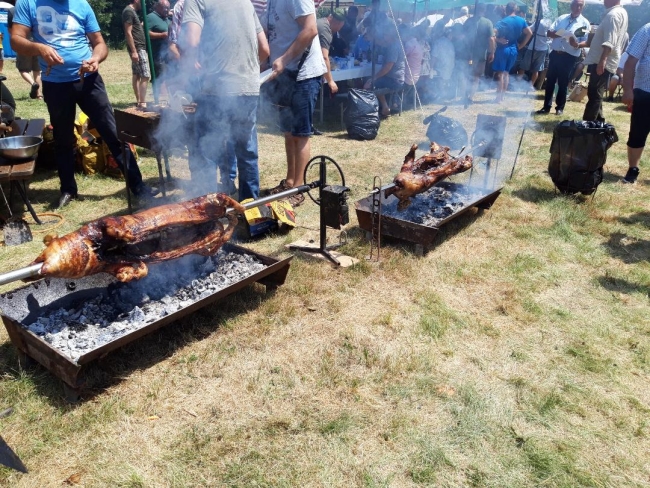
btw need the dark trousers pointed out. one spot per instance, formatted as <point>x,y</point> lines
<point>560,69</point>
<point>595,92</point>
<point>226,142</point>
<point>91,96</point>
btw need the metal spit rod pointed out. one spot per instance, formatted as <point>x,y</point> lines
<point>35,269</point>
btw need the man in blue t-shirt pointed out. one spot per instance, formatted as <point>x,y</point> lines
<point>66,37</point>
<point>512,34</point>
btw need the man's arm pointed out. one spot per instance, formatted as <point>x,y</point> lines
<point>527,35</point>
<point>191,36</point>
<point>629,71</point>
<point>100,52</point>
<point>157,35</point>
<point>600,69</point>
<point>302,41</point>
<point>492,47</point>
<point>328,76</point>
<point>263,49</point>
<point>385,69</point>
<point>128,34</point>
<point>22,45</point>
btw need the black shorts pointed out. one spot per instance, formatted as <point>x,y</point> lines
<point>639,122</point>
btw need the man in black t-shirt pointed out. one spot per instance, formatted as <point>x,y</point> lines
<point>134,33</point>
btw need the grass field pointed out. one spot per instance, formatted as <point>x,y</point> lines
<point>515,353</point>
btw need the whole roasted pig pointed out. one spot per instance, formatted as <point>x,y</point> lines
<point>122,245</point>
<point>418,175</point>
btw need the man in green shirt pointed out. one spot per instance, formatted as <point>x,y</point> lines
<point>158,22</point>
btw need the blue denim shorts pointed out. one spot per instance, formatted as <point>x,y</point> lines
<point>298,118</point>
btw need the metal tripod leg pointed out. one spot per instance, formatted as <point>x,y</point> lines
<point>23,195</point>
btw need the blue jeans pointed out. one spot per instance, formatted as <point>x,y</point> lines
<point>91,96</point>
<point>226,124</point>
<point>299,117</point>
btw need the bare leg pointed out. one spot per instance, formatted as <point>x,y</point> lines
<point>533,77</point>
<point>385,110</point>
<point>634,156</point>
<point>142,90</point>
<point>27,76</point>
<point>134,83</point>
<point>37,79</point>
<point>298,151</point>
<point>502,83</point>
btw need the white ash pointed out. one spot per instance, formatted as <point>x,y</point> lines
<point>434,205</point>
<point>126,307</point>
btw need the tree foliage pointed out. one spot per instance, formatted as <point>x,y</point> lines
<point>109,16</point>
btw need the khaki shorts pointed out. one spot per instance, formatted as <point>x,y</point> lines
<point>27,64</point>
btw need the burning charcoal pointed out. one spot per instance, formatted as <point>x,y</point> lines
<point>124,308</point>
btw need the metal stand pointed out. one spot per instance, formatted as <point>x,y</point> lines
<point>375,235</point>
<point>323,248</point>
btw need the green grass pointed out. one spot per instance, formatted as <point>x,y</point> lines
<point>514,353</point>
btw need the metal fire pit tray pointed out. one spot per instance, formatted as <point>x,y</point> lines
<point>23,306</point>
<point>397,225</point>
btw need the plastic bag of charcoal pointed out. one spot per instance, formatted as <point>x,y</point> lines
<point>578,154</point>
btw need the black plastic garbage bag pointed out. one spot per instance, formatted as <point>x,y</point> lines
<point>362,115</point>
<point>446,131</point>
<point>578,154</point>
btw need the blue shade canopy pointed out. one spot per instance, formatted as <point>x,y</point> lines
<point>408,5</point>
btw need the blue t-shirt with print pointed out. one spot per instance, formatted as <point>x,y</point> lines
<point>62,25</point>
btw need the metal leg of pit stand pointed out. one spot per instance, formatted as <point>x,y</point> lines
<point>486,178</point>
<point>125,160</point>
<point>323,248</point>
<point>167,169</point>
<point>161,178</point>
<point>23,194</point>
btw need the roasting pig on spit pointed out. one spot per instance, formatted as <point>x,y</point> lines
<point>122,245</point>
<point>418,175</point>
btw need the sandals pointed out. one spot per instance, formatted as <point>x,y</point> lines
<point>297,200</point>
<point>277,189</point>
<point>33,92</point>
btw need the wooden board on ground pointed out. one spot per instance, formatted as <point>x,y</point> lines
<point>346,261</point>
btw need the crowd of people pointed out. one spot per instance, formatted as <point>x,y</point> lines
<point>216,49</point>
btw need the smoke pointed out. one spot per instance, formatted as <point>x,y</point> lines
<point>218,72</point>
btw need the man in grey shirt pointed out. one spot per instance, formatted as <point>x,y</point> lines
<point>605,50</point>
<point>223,43</point>
<point>292,34</point>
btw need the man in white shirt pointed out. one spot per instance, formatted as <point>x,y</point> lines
<point>568,34</point>
<point>293,39</point>
<point>604,52</point>
<point>636,95</point>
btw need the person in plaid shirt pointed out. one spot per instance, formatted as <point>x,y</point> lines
<point>636,95</point>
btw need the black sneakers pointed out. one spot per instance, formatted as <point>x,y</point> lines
<point>543,110</point>
<point>144,191</point>
<point>631,176</point>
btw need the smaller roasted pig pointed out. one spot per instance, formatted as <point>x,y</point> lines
<point>418,175</point>
<point>122,245</point>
